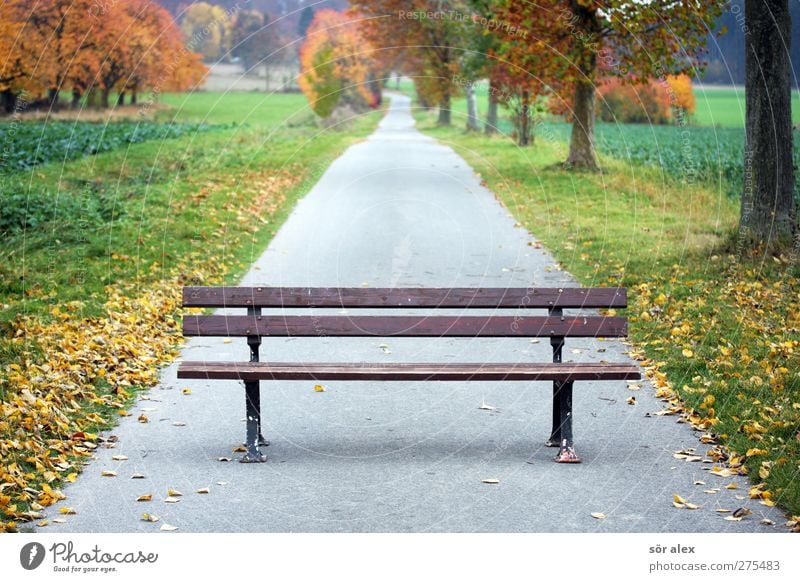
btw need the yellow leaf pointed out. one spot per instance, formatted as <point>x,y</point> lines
<point>691,505</point>
<point>732,486</point>
<point>109,473</point>
<point>678,499</point>
<point>143,418</point>
<point>67,511</point>
<point>186,391</point>
<point>147,497</point>
<point>71,477</point>
<point>150,517</point>
<point>119,458</point>
<point>174,493</point>
<point>688,353</point>
<point>598,515</point>
<point>319,388</point>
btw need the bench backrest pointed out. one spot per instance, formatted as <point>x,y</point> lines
<point>254,324</point>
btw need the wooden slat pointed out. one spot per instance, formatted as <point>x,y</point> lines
<point>367,371</point>
<point>403,326</point>
<point>486,298</point>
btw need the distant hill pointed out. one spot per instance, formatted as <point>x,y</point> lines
<point>726,52</point>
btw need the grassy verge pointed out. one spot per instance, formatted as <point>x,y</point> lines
<point>718,332</point>
<point>89,299</point>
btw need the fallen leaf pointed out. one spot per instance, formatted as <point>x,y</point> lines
<point>227,340</point>
<point>222,482</point>
<point>148,497</point>
<point>485,406</point>
<point>688,353</point>
<point>691,505</point>
<point>71,477</point>
<point>732,518</point>
<point>741,512</point>
<point>720,510</point>
<point>43,523</point>
<point>59,520</point>
<point>240,449</point>
<point>137,476</point>
<point>143,418</point>
<point>319,388</point>
<point>732,486</point>
<point>678,499</point>
<point>224,459</point>
<point>186,391</point>
<point>491,481</point>
<point>150,517</point>
<point>109,473</point>
<point>167,527</point>
<point>598,515</point>
<point>67,511</point>
<point>766,521</point>
<point>204,490</point>
<point>119,458</point>
<point>178,423</point>
<point>631,400</point>
<point>174,493</point>
<point>172,500</point>
<point>699,482</point>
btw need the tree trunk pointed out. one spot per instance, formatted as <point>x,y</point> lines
<point>768,210</point>
<point>9,101</point>
<point>472,108</point>
<point>491,114</point>
<point>133,96</point>
<point>52,97</point>
<point>524,137</point>
<point>76,99</point>
<point>104,95</point>
<point>444,110</point>
<point>581,145</point>
<point>121,98</point>
<point>91,98</point>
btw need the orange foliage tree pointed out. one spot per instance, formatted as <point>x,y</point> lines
<point>82,46</point>
<point>336,64</point>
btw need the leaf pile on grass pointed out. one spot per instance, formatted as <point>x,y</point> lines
<point>75,374</point>
<point>720,342</point>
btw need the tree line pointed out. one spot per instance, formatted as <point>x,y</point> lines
<point>560,54</point>
<point>91,49</point>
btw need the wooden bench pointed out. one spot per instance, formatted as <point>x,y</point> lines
<point>514,321</point>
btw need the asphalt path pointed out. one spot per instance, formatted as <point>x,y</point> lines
<point>401,209</point>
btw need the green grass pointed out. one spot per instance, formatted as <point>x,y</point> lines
<point>147,193</point>
<point>718,330</point>
<point>725,106</point>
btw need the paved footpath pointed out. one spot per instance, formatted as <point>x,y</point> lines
<point>400,209</point>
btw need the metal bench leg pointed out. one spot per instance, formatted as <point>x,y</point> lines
<point>253,408</point>
<point>566,452</point>
<point>555,434</point>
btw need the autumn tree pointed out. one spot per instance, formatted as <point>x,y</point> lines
<point>207,29</point>
<point>431,34</point>
<point>768,209</point>
<point>625,38</point>
<point>251,37</point>
<point>337,64</point>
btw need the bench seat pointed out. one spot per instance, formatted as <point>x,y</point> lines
<point>476,372</point>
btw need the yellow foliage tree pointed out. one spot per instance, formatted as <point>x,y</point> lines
<point>682,95</point>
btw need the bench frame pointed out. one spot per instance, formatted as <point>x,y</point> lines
<point>255,326</point>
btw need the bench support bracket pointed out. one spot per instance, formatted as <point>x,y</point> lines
<point>252,392</point>
<point>561,435</point>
